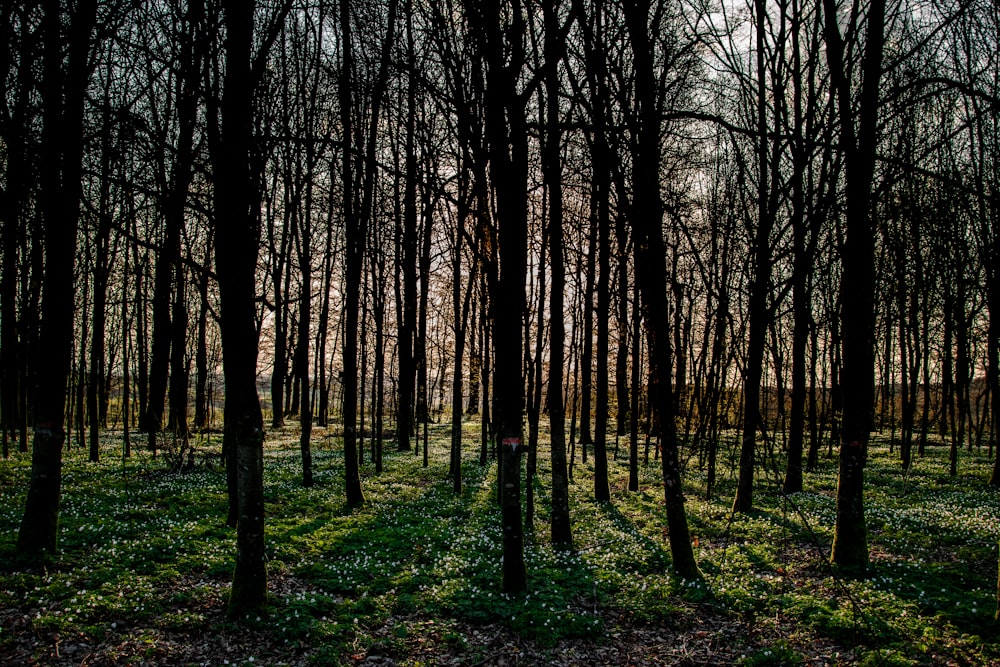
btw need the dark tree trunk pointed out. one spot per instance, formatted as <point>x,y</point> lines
<point>78,410</point>
<point>993,339</point>
<point>323,322</point>
<point>850,542</point>
<point>356,225</point>
<point>378,293</point>
<point>559,519</point>
<point>140,262</point>
<point>12,226</point>
<point>95,383</point>
<point>507,138</point>
<point>305,317</point>
<point>280,363</point>
<point>201,419</point>
<point>63,94</point>
<point>602,182</point>
<point>759,284</point>
<point>646,218</point>
<point>177,417</point>
<point>355,237</point>
<point>802,260</point>
<point>460,313</point>
<point>126,398</point>
<point>237,231</point>
<point>420,355</point>
<point>633,429</point>
<point>587,347</point>
<point>533,366</point>
<point>408,252</point>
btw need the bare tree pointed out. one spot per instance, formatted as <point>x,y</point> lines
<point>858,141</point>
<point>646,217</point>
<point>500,37</point>
<point>63,87</point>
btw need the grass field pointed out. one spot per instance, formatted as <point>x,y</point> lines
<point>412,577</point>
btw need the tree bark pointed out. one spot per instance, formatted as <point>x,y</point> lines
<point>759,284</point>
<point>559,519</point>
<point>13,225</point>
<point>63,95</point>
<point>646,218</point>
<point>857,287</point>
<point>408,252</point>
<point>237,231</point>
<point>507,138</point>
<point>355,236</point>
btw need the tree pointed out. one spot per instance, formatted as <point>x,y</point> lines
<point>237,231</point>
<point>355,235</point>
<point>498,33</point>
<point>14,111</point>
<point>63,88</point>
<point>858,142</point>
<point>406,255</point>
<point>357,218</point>
<point>561,531</point>
<point>646,216</point>
<point>760,282</point>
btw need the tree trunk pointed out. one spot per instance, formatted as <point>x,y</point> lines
<point>63,94</point>
<point>305,317</point>
<point>602,165</point>
<point>408,250</point>
<point>355,235</point>
<point>802,260</point>
<point>850,542</point>
<point>646,218</point>
<point>201,419</point>
<point>507,138</point>
<point>237,231</point>
<point>633,429</point>
<point>12,227</point>
<point>95,383</point>
<point>559,519</point>
<point>587,347</point>
<point>759,285</point>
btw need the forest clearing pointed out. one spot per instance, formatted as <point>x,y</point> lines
<point>412,577</point>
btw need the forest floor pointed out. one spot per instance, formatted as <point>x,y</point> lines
<point>412,576</point>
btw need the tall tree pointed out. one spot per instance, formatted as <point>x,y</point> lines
<point>561,531</point>
<point>646,215</point>
<point>65,77</point>
<point>237,231</point>
<point>499,29</point>
<point>355,237</point>
<point>858,123</point>
<point>407,251</point>
<point>760,282</point>
<point>14,98</point>
<point>357,218</point>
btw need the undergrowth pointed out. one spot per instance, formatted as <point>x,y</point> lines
<point>141,546</point>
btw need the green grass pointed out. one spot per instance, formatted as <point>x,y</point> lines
<point>146,549</point>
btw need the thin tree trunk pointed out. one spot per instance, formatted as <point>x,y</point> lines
<point>408,268</point>
<point>559,519</point>
<point>646,219</point>
<point>759,285</point>
<point>102,234</point>
<point>634,380</point>
<point>12,226</point>
<point>201,419</point>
